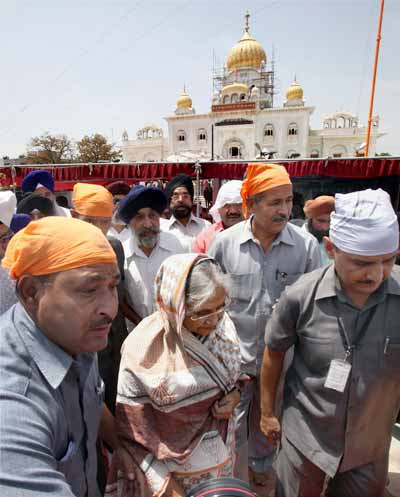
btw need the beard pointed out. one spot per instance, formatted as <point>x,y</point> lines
<point>181,211</point>
<point>319,234</point>
<point>147,237</point>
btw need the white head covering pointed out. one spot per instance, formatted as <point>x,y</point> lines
<point>8,203</point>
<point>364,223</point>
<point>229,193</point>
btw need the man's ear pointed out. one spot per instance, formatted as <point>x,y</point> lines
<point>29,291</point>
<point>329,247</point>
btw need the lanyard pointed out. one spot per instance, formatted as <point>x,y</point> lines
<point>343,334</point>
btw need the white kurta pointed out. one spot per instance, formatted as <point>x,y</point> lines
<point>141,270</point>
<point>186,234</point>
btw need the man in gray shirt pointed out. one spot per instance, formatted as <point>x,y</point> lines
<point>51,394</point>
<point>262,255</point>
<point>342,390</point>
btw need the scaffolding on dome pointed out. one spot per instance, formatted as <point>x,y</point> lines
<point>265,79</point>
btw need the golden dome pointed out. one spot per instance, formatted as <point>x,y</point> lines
<point>294,92</point>
<point>184,101</point>
<point>235,87</point>
<point>247,52</point>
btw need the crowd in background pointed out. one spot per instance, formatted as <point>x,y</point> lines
<point>145,350</point>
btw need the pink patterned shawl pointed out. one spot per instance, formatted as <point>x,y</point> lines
<point>168,382</point>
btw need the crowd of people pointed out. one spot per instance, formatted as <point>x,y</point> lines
<point>142,354</point>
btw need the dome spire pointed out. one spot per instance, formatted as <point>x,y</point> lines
<point>246,21</point>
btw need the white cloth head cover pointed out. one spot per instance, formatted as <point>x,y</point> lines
<point>8,204</point>
<point>229,193</point>
<point>364,223</point>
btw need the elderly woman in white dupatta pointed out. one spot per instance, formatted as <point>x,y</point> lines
<point>177,386</point>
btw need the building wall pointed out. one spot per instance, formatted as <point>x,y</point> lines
<point>145,150</point>
<point>325,142</point>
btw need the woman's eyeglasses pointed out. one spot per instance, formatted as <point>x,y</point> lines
<point>218,314</point>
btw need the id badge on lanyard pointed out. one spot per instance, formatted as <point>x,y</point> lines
<point>338,375</point>
<point>340,369</point>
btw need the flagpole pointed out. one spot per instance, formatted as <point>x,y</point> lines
<point>371,103</point>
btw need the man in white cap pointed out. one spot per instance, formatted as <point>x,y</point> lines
<point>342,391</point>
<point>8,203</point>
<point>226,212</point>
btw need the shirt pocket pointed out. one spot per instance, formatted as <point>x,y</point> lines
<point>286,279</point>
<point>317,353</point>
<point>390,357</point>
<point>242,289</point>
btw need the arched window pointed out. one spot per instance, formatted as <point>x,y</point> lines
<point>235,98</point>
<point>202,135</point>
<point>226,99</point>
<point>314,154</point>
<point>242,96</point>
<point>269,130</point>
<point>234,152</point>
<point>181,136</point>
<point>292,154</point>
<point>292,129</point>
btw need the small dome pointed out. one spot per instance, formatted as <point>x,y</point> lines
<point>247,52</point>
<point>184,101</point>
<point>235,87</point>
<point>294,92</point>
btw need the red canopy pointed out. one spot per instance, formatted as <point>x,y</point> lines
<point>66,175</point>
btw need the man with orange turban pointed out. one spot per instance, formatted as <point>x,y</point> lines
<point>51,400</point>
<point>263,255</point>
<point>318,213</point>
<point>93,204</point>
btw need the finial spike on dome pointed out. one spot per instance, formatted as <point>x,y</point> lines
<point>246,21</point>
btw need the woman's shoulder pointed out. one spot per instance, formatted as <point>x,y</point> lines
<point>143,333</point>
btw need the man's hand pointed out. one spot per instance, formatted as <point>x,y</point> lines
<point>271,428</point>
<point>174,489</point>
<point>223,408</point>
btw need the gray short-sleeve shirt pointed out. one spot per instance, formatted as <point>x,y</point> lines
<point>50,407</point>
<point>338,431</point>
<point>258,279</point>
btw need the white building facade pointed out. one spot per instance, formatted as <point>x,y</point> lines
<point>243,122</point>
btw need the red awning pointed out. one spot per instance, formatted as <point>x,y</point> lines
<point>67,175</point>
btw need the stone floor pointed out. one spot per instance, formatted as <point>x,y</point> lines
<point>393,489</point>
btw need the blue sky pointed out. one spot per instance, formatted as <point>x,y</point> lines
<point>80,67</point>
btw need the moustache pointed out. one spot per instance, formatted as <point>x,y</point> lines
<point>279,219</point>
<point>148,231</point>
<point>101,323</point>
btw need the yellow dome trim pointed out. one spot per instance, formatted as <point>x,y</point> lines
<point>247,52</point>
<point>184,101</point>
<point>235,87</point>
<point>295,91</point>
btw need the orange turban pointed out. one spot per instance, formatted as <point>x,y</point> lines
<point>260,178</point>
<point>319,206</point>
<point>55,244</point>
<point>92,200</point>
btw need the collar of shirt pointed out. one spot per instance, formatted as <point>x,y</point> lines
<point>283,237</point>
<point>193,219</point>
<point>330,287</point>
<point>51,360</point>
